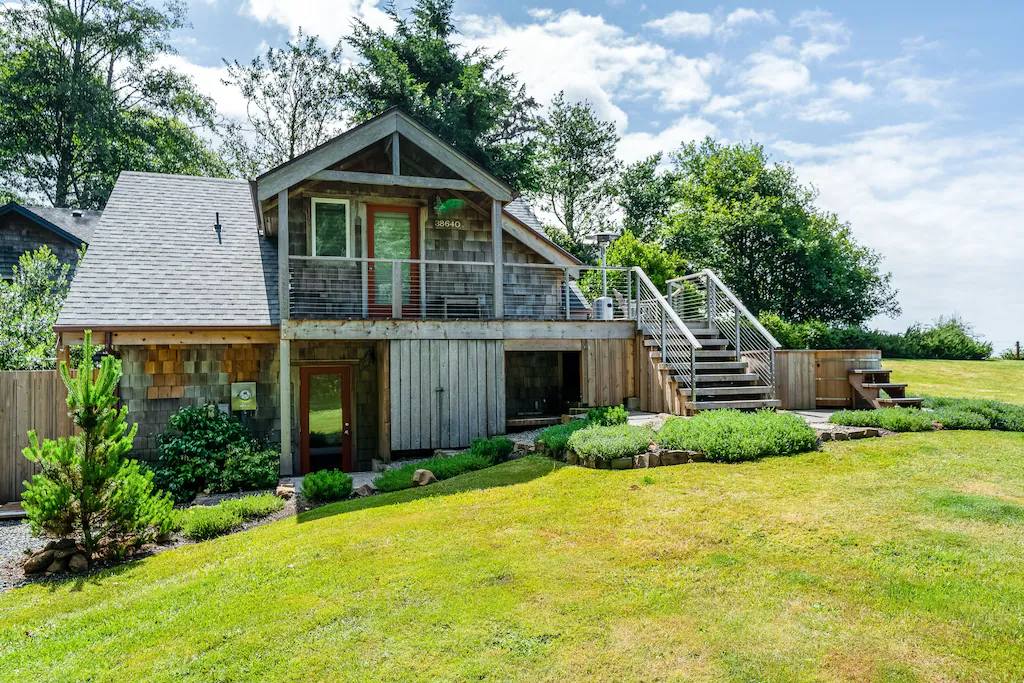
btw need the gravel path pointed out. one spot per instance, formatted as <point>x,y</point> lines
<point>14,540</point>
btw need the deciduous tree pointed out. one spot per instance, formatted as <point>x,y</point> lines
<point>29,304</point>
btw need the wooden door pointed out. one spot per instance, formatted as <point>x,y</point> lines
<point>393,232</point>
<point>325,414</point>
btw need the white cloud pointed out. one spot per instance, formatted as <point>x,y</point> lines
<point>846,89</point>
<point>828,35</point>
<point>208,80</point>
<point>822,110</point>
<point>640,145</point>
<point>920,90</point>
<point>725,105</point>
<point>774,75</point>
<point>685,24</point>
<point>940,209</point>
<point>744,15</point>
<point>330,19</point>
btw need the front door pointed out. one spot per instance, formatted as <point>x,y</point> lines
<point>325,412</point>
<point>393,233</point>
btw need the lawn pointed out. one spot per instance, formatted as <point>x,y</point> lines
<point>1002,380</point>
<point>882,559</point>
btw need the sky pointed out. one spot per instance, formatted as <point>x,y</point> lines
<point>905,115</point>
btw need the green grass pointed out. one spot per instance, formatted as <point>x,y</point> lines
<point>896,559</point>
<point>893,419</point>
<point>202,523</point>
<point>444,467</point>
<point>732,436</point>
<point>1001,380</point>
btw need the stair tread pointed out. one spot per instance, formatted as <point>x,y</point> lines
<point>711,379</point>
<point>907,400</point>
<point>732,391</point>
<point>862,371</point>
<point>738,405</point>
<point>884,385</point>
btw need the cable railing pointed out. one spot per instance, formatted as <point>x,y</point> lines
<point>657,320</point>
<point>703,300</point>
<point>542,291</point>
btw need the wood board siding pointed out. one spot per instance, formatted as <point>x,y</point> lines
<point>794,379</point>
<point>28,400</point>
<point>832,384</point>
<point>657,393</point>
<point>445,393</point>
<point>608,373</point>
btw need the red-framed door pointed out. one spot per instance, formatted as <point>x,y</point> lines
<point>325,416</point>
<point>393,232</point>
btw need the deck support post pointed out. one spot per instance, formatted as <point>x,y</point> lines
<point>498,258</point>
<point>286,407</point>
<point>285,360</point>
<point>568,302</point>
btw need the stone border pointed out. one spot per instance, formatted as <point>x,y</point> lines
<point>654,457</point>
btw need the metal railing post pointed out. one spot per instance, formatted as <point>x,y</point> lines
<point>639,325</point>
<point>771,367</point>
<point>711,301</point>
<point>568,305</point>
<point>664,357</point>
<point>739,356</point>
<point>693,375</point>
<point>629,291</point>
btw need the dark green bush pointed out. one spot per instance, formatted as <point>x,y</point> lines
<point>893,419</point>
<point>201,523</point>
<point>1005,417</point>
<point>732,436</point>
<point>247,468</point>
<point>608,443</point>
<point>447,467</point>
<point>326,486</point>
<point>496,449</point>
<point>947,338</point>
<point>194,448</point>
<point>608,416</point>
<point>556,437</point>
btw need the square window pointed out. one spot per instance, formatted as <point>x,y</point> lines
<point>330,227</point>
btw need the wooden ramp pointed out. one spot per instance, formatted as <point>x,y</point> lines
<point>874,389</point>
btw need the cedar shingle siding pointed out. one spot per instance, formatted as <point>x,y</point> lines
<point>19,234</point>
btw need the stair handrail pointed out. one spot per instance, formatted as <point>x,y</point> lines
<point>642,278</point>
<point>710,274</point>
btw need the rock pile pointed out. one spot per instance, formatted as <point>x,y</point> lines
<point>57,557</point>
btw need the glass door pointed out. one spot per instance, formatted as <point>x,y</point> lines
<point>325,413</point>
<point>393,233</point>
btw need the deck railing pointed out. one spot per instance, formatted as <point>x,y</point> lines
<point>657,320</point>
<point>703,300</point>
<point>343,288</point>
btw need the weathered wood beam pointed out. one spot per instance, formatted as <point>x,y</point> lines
<point>285,362</point>
<point>499,260</point>
<point>394,180</point>
<point>461,329</point>
<point>396,160</point>
<point>282,252</point>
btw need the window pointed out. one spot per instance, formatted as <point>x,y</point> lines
<point>331,227</point>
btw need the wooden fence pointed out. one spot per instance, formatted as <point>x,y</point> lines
<point>32,399</point>
<point>818,379</point>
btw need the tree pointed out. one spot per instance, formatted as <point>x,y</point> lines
<point>81,98</point>
<point>660,265</point>
<point>577,166</point>
<point>758,227</point>
<point>29,304</point>
<point>292,104</point>
<point>645,195</point>
<point>465,97</point>
<point>88,489</point>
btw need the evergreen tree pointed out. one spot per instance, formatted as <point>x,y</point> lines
<point>88,489</point>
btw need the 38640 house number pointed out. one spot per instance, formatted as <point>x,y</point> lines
<point>449,223</point>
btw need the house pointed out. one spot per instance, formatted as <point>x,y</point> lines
<point>26,228</point>
<point>379,295</point>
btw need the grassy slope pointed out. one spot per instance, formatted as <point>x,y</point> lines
<point>886,559</point>
<point>1002,380</point>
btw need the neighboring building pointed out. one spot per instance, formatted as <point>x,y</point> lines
<point>380,294</point>
<point>26,228</point>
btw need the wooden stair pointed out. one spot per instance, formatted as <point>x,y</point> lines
<point>868,386</point>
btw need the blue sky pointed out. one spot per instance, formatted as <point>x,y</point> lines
<point>905,115</point>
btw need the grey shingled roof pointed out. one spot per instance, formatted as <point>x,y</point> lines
<point>521,210</point>
<point>155,260</point>
<point>81,226</point>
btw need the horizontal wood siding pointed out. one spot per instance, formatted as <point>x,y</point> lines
<point>445,393</point>
<point>28,400</point>
<point>608,372</point>
<point>794,379</point>
<point>832,383</point>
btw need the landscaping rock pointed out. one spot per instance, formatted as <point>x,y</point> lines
<point>521,450</point>
<point>60,545</point>
<point>571,458</point>
<point>377,465</point>
<point>659,421</point>
<point>78,563</point>
<point>602,464</point>
<point>856,433</point>
<point>64,553</point>
<point>423,477</point>
<point>285,491</point>
<point>840,436</point>
<point>872,431</point>
<point>673,457</point>
<point>367,489</point>
<point>654,459</point>
<point>57,567</point>
<point>539,446</point>
<point>39,561</point>
<point>825,436</point>
<point>622,463</point>
<point>641,461</point>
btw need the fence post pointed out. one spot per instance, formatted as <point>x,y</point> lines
<point>568,305</point>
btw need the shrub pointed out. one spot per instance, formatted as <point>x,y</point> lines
<point>608,443</point>
<point>1006,417</point>
<point>247,468</point>
<point>447,467</point>
<point>893,419</point>
<point>496,449</point>
<point>732,436</point>
<point>194,448</point>
<point>608,416</point>
<point>88,490</point>
<point>951,418</point>
<point>556,437</point>
<point>201,523</point>
<point>326,486</point>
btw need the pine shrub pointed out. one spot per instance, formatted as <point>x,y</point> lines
<point>608,416</point>
<point>326,486</point>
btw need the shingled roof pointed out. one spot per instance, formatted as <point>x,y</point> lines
<point>155,259</point>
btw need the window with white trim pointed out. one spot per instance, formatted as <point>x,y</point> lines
<point>332,227</point>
